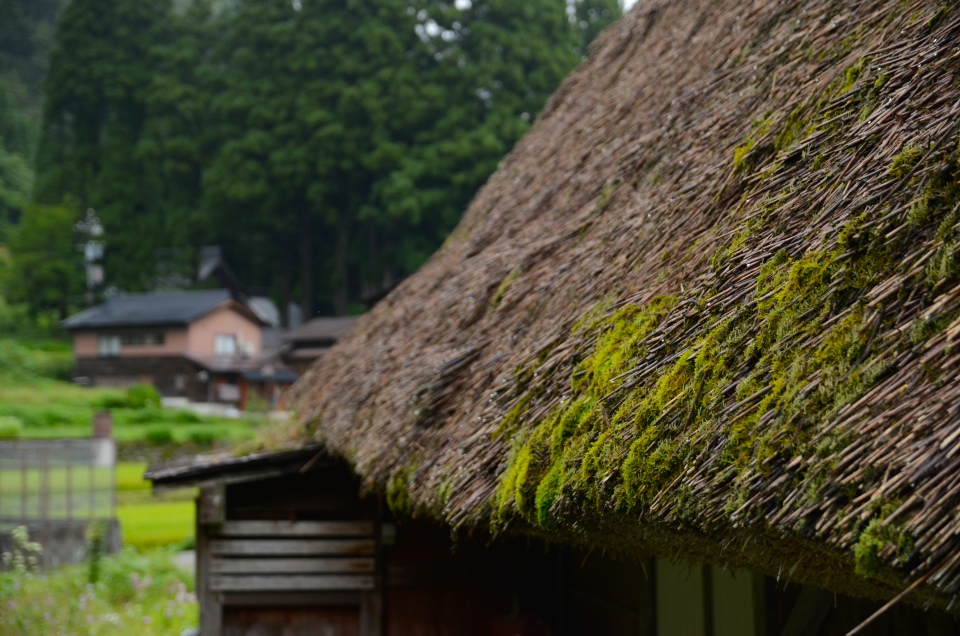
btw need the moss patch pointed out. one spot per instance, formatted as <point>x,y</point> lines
<point>878,544</point>
<point>504,287</point>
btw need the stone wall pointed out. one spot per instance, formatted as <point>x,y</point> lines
<point>63,541</point>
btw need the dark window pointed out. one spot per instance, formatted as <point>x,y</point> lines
<point>144,339</point>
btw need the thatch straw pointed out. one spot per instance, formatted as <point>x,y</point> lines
<point>706,306</point>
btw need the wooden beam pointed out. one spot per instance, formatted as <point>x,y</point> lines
<point>297,528</point>
<point>290,566</point>
<point>298,582</point>
<point>292,599</point>
<point>317,547</point>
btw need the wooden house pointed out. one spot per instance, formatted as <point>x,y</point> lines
<point>706,311</point>
<point>306,343</point>
<point>203,345</point>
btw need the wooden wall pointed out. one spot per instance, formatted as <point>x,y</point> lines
<point>304,554</point>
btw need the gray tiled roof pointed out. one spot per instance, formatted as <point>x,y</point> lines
<point>322,328</point>
<point>143,310</point>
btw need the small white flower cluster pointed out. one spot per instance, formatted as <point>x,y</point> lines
<point>23,557</point>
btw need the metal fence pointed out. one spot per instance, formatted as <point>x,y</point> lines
<point>52,480</point>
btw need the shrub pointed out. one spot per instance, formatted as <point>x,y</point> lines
<point>182,416</point>
<point>57,365</point>
<point>14,361</point>
<point>96,549</point>
<point>144,416</point>
<point>29,360</point>
<point>203,437</point>
<point>159,436</point>
<point>142,396</point>
<point>23,556</point>
<point>111,401</point>
<point>10,427</point>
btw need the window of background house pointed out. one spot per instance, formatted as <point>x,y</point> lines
<point>225,344</point>
<point>109,346</point>
<point>143,339</point>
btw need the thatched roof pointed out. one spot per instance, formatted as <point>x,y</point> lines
<point>706,307</point>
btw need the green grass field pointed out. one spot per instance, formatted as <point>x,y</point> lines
<point>148,520</point>
<point>37,403</point>
<point>52,409</point>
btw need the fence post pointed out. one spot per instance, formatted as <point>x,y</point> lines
<point>44,483</point>
<point>68,461</point>
<point>23,479</point>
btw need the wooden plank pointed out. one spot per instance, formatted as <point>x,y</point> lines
<point>297,528</point>
<point>267,547</point>
<point>372,605</point>
<point>211,611</point>
<point>297,582</point>
<point>290,566</point>
<point>211,504</point>
<point>371,613</point>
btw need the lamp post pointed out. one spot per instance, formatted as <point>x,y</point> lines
<point>92,249</point>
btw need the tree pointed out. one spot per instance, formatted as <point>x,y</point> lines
<point>101,72</point>
<point>16,175</point>
<point>45,271</point>
<point>328,145</point>
<point>303,111</point>
<point>497,61</point>
<point>26,36</point>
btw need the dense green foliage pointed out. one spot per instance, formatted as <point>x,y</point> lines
<point>44,272</point>
<point>26,36</point>
<point>329,146</point>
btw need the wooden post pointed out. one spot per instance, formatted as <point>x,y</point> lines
<point>45,484</point>
<point>371,603</point>
<point>68,461</point>
<point>91,483</point>
<point>113,482</point>
<point>210,515</point>
<point>23,482</point>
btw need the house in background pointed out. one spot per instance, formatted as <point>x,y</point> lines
<point>205,346</point>
<point>304,344</point>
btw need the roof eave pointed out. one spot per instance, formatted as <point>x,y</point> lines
<point>214,470</point>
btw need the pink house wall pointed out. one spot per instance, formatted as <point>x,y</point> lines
<point>223,320</point>
<point>197,339</point>
<point>87,344</point>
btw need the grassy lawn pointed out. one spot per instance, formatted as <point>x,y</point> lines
<point>52,409</point>
<point>151,525</point>
<point>37,403</point>
<point>150,521</point>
